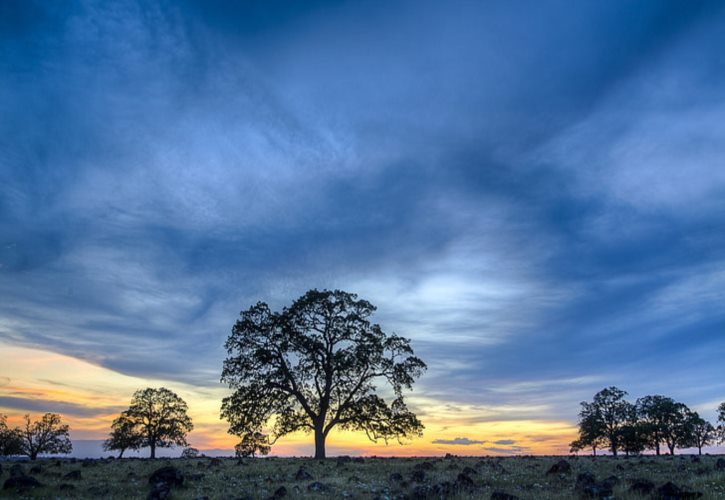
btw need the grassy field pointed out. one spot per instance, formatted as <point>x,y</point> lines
<point>373,478</point>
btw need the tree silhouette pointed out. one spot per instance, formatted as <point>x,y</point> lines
<point>251,444</point>
<point>610,414</point>
<point>125,435</point>
<point>698,432</point>
<point>664,419</point>
<point>47,435</point>
<point>10,443</point>
<point>591,429</point>
<point>160,417</point>
<point>721,421</point>
<point>315,366</point>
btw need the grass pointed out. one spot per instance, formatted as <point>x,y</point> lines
<point>525,477</point>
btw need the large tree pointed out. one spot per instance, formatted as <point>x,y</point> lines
<point>614,412</point>
<point>160,416</point>
<point>591,429</point>
<point>316,365</point>
<point>698,432</point>
<point>721,421</point>
<point>10,443</point>
<point>665,420</point>
<point>125,435</point>
<point>47,435</point>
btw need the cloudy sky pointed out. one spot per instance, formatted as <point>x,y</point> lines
<point>533,192</point>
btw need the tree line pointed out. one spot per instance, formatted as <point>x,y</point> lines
<point>313,366</point>
<point>611,422</point>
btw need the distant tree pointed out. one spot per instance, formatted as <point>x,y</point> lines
<point>47,435</point>
<point>190,453</point>
<point>633,438</point>
<point>612,413</point>
<point>316,365</point>
<point>698,432</point>
<point>665,420</point>
<point>251,444</point>
<point>591,429</point>
<point>721,421</point>
<point>125,435</point>
<point>10,443</point>
<point>160,416</point>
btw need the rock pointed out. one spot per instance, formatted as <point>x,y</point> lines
<point>196,477</point>
<point>167,475</point>
<point>342,460</point>
<point>36,469</point>
<point>642,487</point>
<point>670,491</point>
<point>597,490</point>
<point>160,491</point>
<point>611,481</point>
<point>500,495</point>
<point>560,467</point>
<point>585,479</point>
<point>215,462</point>
<point>464,481</point>
<point>418,476</point>
<point>280,492</point>
<point>21,483</point>
<point>317,487</point>
<point>396,477</point>
<point>358,460</point>
<point>16,470</point>
<point>99,491</point>
<point>423,491</point>
<point>303,475</point>
<point>74,475</point>
<point>720,464</point>
<point>66,487</point>
<point>424,466</point>
<point>469,471</point>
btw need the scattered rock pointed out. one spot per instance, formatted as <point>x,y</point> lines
<point>418,476</point>
<point>358,460</point>
<point>611,481</point>
<point>560,467</point>
<point>342,460</point>
<point>279,492</point>
<point>16,470</point>
<point>66,487</point>
<point>585,479</point>
<point>670,491</point>
<point>74,475</point>
<point>196,477</point>
<point>720,464</point>
<point>36,469</point>
<point>215,462</point>
<point>167,475</point>
<point>598,490</point>
<point>317,487</point>
<point>396,477</point>
<point>469,471</point>
<point>21,483</point>
<point>464,481</point>
<point>642,487</point>
<point>424,466</point>
<point>303,475</point>
<point>99,491</point>
<point>500,495</point>
<point>160,491</point>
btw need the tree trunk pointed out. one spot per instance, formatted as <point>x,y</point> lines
<point>33,455</point>
<point>672,449</point>
<point>699,450</point>
<point>120,455</point>
<point>153,449</point>
<point>319,444</point>
<point>657,448</point>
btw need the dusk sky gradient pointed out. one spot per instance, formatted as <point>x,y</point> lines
<point>533,192</point>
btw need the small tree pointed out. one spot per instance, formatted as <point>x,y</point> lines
<point>612,413</point>
<point>47,435</point>
<point>125,435</point>
<point>591,429</point>
<point>316,365</point>
<point>251,444</point>
<point>698,432</point>
<point>190,453</point>
<point>10,443</point>
<point>160,416</point>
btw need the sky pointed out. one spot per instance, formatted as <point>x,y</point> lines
<point>532,192</point>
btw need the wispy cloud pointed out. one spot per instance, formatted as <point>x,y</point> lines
<point>459,441</point>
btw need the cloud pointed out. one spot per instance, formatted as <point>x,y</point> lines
<point>462,441</point>
<point>505,441</point>
<point>46,405</point>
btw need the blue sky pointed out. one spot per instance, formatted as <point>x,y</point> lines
<point>534,192</point>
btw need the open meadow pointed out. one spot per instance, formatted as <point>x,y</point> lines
<point>453,477</point>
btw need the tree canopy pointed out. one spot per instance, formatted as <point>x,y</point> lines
<point>47,435</point>
<point>125,435</point>
<point>316,365</point>
<point>158,416</point>
<point>10,443</point>
<point>253,443</point>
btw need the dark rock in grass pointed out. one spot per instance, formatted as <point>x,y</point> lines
<point>303,475</point>
<point>597,490</point>
<point>642,486</point>
<point>279,492</point>
<point>21,483</point>
<point>611,481</point>
<point>88,463</point>
<point>695,459</point>
<point>585,479</point>
<point>423,491</point>
<point>317,487</point>
<point>196,477</point>
<point>560,467</point>
<point>160,491</point>
<point>358,460</point>
<point>621,467</point>
<point>99,491</point>
<point>16,470</point>
<point>500,495</point>
<point>418,476</point>
<point>465,481</point>
<point>167,475</point>
<point>36,469</point>
<point>469,471</point>
<point>720,464</point>
<point>396,477</point>
<point>74,475</point>
<point>670,491</point>
<point>424,466</point>
<point>66,487</point>
<point>342,460</point>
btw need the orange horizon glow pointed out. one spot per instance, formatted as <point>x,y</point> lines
<point>100,394</point>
